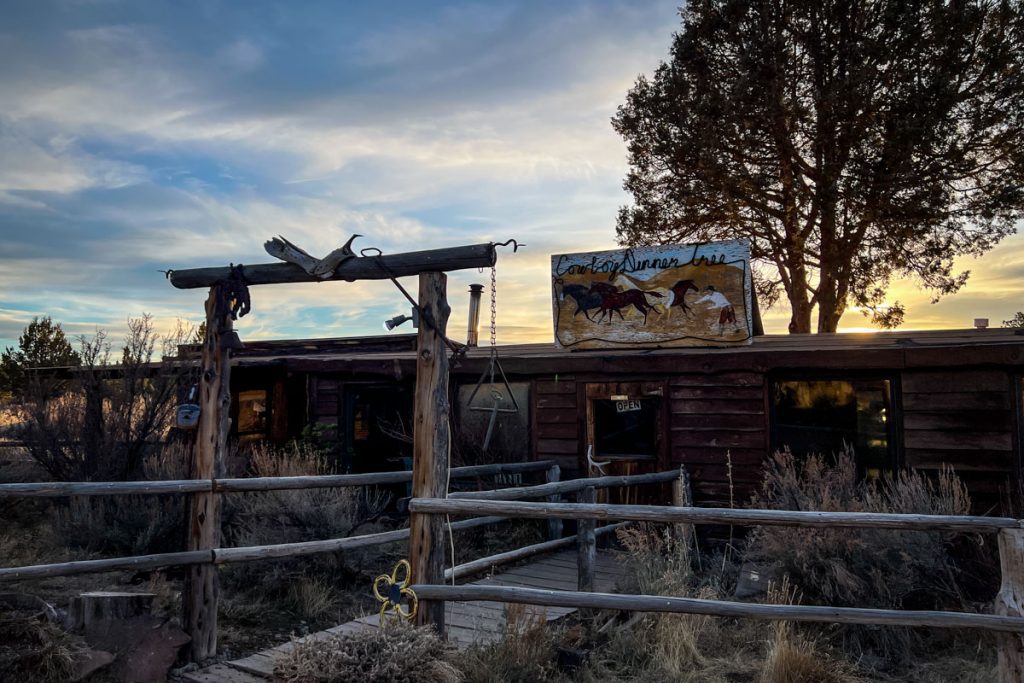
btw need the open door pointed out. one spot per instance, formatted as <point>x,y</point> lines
<point>625,434</point>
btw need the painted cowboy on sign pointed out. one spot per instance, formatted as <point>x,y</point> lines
<point>667,295</point>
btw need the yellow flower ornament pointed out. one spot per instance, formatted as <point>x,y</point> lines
<point>390,590</point>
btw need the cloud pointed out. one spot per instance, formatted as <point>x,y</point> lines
<point>144,136</point>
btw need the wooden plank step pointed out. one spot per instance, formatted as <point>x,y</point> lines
<point>260,664</point>
<point>221,673</point>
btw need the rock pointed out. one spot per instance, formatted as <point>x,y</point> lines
<point>754,579</point>
<point>145,647</point>
<point>88,662</point>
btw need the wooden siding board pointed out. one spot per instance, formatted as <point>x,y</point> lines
<point>718,379</point>
<point>556,401</point>
<point>956,401</point>
<point>556,387</point>
<point>958,440</point>
<point>718,438</point>
<point>952,382</point>
<point>557,415</point>
<point>716,393</point>
<point>749,406</point>
<point>557,446</point>
<point>962,462</point>
<point>966,420</point>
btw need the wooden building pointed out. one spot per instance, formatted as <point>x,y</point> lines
<point>899,399</point>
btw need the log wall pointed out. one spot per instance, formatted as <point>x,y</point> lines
<point>558,420</point>
<point>716,418</point>
<point>963,418</point>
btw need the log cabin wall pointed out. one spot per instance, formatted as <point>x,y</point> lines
<point>557,420</point>
<point>963,418</point>
<point>955,397</point>
<point>719,430</point>
<point>324,397</point>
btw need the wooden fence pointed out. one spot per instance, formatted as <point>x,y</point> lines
<point>1008,611</point>
<point>488,507</point>
<point>552,490</point>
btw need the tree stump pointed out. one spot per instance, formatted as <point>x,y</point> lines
<point>91,608</point>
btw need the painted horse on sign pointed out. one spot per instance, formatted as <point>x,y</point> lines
<point>627,298</point>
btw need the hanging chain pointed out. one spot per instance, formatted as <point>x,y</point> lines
<point>494,310</point>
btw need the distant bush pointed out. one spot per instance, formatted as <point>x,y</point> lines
<point>131,525</point>
<point>299,585</point>
<point>397,653</point>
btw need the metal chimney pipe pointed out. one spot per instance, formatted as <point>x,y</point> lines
<point>473,333</point>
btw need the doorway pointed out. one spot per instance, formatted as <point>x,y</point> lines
<point>625,434</point>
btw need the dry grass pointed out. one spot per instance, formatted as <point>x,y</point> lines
<point>32,649</point>
<point>795,657</point>
<point>397,653</point>
<point>313,598</point>
<point>526,652</point>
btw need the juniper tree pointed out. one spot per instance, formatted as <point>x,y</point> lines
<point>851,141</point>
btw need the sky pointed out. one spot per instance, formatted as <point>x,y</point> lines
<point>137,137</point>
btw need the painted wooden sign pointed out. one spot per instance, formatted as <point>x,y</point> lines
<point>668,295</point>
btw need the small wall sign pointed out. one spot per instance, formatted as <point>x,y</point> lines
<point>663,296</point>
<point>627,406</point>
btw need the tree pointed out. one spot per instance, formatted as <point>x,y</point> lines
<point>850,141</point>
<point>42,345</point>
<point>112,416</point>
<point>1016,321</point>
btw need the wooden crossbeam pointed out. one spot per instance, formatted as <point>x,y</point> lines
<point>359,268</point>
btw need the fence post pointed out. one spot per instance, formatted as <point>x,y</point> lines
<point>553,475</point>
<point>586,543</point>
<point>1010,602</point>
<point>682,497</point>
<point>201,588</point>
<point>430,443</point>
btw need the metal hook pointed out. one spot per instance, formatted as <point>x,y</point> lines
<point>515,244</point>
<point>362,252</point>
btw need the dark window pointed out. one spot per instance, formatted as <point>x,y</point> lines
<point>252,415</point>
<point>626,428</point>
<point>822,415</point>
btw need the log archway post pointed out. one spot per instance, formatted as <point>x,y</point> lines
<point>1010,603</point>
<point>431,433</point>
<point>201,587</point>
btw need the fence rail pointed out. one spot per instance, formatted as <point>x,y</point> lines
<point>698,515</point>
<point>122,488</point>
<point>720,608</point>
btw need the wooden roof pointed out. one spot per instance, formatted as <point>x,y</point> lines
<point>872,350</point>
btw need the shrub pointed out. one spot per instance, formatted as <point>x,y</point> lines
<point>397,653</point>
<point>272,517</point>
<point>131,525</point>
<point>862,567</point>
<point>859,567</point>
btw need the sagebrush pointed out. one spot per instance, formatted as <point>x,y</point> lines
<point>397,653</point>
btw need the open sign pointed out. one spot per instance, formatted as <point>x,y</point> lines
<point>627,405</point>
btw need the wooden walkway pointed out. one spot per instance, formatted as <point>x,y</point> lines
<point>467,623</point>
